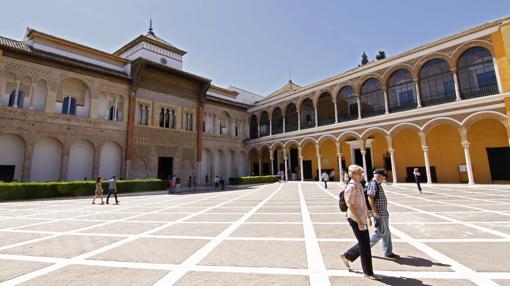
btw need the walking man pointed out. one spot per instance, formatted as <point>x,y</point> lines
<point>416,174</point>
<point>379,203</point>
<point>325,178</point>
<point>112,188</point>
<point>216,183</point>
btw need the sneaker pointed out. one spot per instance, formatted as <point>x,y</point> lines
<point>93,203</point>
<point>392,256</point>
<point>107,203</point>
<point>345,261</point>
<point>372,277</point>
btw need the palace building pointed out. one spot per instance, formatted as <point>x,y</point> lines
<point>69,112</point>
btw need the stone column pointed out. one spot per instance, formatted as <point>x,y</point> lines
<point>339,156</point>
<point>427,163</point>
<point>465,145</point>
<point>393,168</point>
<point>316,116</point>
<point>418,94</point>
<point>319,167</point>
<point>270,126</point>
<point>283,119</point>
<point>31,97</point>
<point>359,107</point>
<point>285,160</point>
<point>386,105</point>
<point>456,81</point>
<point>301,163</point>
<point>115,108</point>
<point>298,120</point>
<point>106,111</point>
<point>498,78</point>
<point>271,158</point>
<point>363,155</point>
<point>16,94</point>
<point>336,111</point>
<point>260,166</point>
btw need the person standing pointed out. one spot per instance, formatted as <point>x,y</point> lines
<point>358,218</point>
<point>207,179</point>
<point>171,184</point>
<point>416,174</point>
<point>112,188</point>
<point>379,203</point>
<point>99,191</point>
<point>325,178</point>
<point>194,182</point>
<point>216,183</point>
<point>189,182</point>
<point>222,183</point>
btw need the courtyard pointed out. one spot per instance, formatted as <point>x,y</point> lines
<point>275,234</point>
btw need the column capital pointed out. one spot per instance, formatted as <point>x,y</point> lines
<point>465,144</point>
<point>425,148</point>
<point>285,158</point>
<point>363,152</point>
<point>391,150</point>
<point>301,157</point>
<point>339,155</point>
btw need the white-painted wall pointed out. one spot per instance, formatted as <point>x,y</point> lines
<point>12,152</point>
<point>241,165</point>
<point>46,160</point>
<point>110,160</point>
<point>81,159</point>
<point>145,53</point>
<point>40,93</point>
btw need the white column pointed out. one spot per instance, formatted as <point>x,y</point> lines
<point>106,111</point>
<point>319,167</point>
<point>285,160</point>
<point>316,116</point>
<point>427,163</point>
<point>418,94</point>
<point>15,105</point>
<point>456,81</point>
<point>31,97</point>
<point>336,112</point>
<point>359,107</point>
<point>498,78</point>
<point>393,168</point>
<point>465,145</point>
<point>271,158</point>
<point>299,120</point>
<point>270,126</point>
<point>300,164</point>
<point>363,153</point>
<point>339,156</point>
<point>115,108</point>
<point>386,107</point>
<point>283,119</point>
<point>258,130</point>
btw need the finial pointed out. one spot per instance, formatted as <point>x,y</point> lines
<point>151,31</point>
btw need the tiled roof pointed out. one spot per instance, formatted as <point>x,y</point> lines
<point>23,47</point>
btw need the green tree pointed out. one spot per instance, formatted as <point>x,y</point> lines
<point>381,55</point>
<point>364,59</point>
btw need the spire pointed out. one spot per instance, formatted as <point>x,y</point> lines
<point>151,31</point>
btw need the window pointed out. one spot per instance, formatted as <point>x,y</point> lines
<point>277,121</point>
<point>291,118</point>
<point>476,73</point>
<point>69,106</point>
<point>264,124</point>
<point>113,114</point>
<point>325,109</point>
<point>189,122</point>
<point>347,104</point>
<point>307,114</point>
<point>436,83</point>
<point>401,91</point>
<point>253,127</point>
<point>372,98</point>
<point>12,98</point>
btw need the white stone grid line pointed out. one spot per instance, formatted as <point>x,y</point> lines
<point>312,201</point>
<point>46,270</point>
<point>454,265</point>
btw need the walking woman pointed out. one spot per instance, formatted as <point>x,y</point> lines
<point>358,218</point>
<point>416,173</point>
<point>99,191</point>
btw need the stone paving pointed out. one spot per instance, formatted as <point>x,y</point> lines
<point>278,234</point>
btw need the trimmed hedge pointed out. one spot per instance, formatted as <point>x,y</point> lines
<point>253,180</point>
<point>22,191</point>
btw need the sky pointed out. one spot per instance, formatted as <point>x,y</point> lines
<point>249,44</point>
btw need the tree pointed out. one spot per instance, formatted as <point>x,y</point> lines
<point>381,55</point>
<point>364,59</point>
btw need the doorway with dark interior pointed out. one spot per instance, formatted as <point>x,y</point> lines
<point>165,167</point>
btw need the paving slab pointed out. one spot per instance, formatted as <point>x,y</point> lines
<point>236,279</point>
<point>12,268</point>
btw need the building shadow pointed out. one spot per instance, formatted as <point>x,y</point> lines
<point>413,261</point>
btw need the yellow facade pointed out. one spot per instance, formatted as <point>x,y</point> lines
<point>408,152</point>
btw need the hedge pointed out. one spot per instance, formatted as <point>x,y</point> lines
<point>253,180</point>
<point>22,191</point>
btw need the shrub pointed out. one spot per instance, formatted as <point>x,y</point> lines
<point>21,191</point>
<point>253,180</point>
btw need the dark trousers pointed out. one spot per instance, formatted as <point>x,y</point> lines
<point>110,191</point>
<point>417,178</point>
<point>325,184</point>
<point>362,248</point>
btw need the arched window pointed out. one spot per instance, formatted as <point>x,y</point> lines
<point>325,109</point>
<point>69,105</point>
<point>12,98</point>
<point>307,114</point>
<point>372,98</point>
<point>436,83</point>
<point>347,104</point>
<point>277,121</point>
<point>254,133</point>
<point>476,73</point>
<point>401,91</point>
<point>264,124</point>
<point>113,114</point>
<point>291,118</point>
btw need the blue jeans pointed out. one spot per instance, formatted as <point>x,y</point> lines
<point>383,231</point>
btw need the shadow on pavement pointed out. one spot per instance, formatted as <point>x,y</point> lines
<point>413,261</point>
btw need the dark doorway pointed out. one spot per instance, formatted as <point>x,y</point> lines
<point>276,168</point>
<point>266,169</point>
<point>255,169</point>
<point>165,167</point>
<point>7,173</point>
<point>358,160</point>
<point>307,170</point>
<point>294,160</point>
<point>499,160</point>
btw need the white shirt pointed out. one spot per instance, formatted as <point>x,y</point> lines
<point>325,176</point>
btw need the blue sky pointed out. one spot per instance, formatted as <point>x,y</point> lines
<point>250,43</point>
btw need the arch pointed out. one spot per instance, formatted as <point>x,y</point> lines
<point>291,118</point>
<point>439,120</point>
<point>307,114</point>
<point>110,160</point>
<point>265,155</point>
<point>309,153</point>
<point>373,130</point>
<point>426,58</point>
<point>325,109</point>
<point>347,104</point>
<point>46,160</point>
<point>476,73</point>
<point>326,137</point>
<point>372,98</point>
<point>253,158</point>
<point>390,71</point>
<point>275,145</point>
<point>264,123</point>
<point>73,97</point>
<point>347,134</point>
<point>457,53</point>
<point>401,91</point>
<point>361,81</point>
<point>489,114</point>
<point>276,121</point>
<point>290,143</point>
<point>254,127</point>
<point>81,160</point>
<point>401,126</point>
<point>12,156</point>
<point>436,82</point>
<point>307,140</point>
